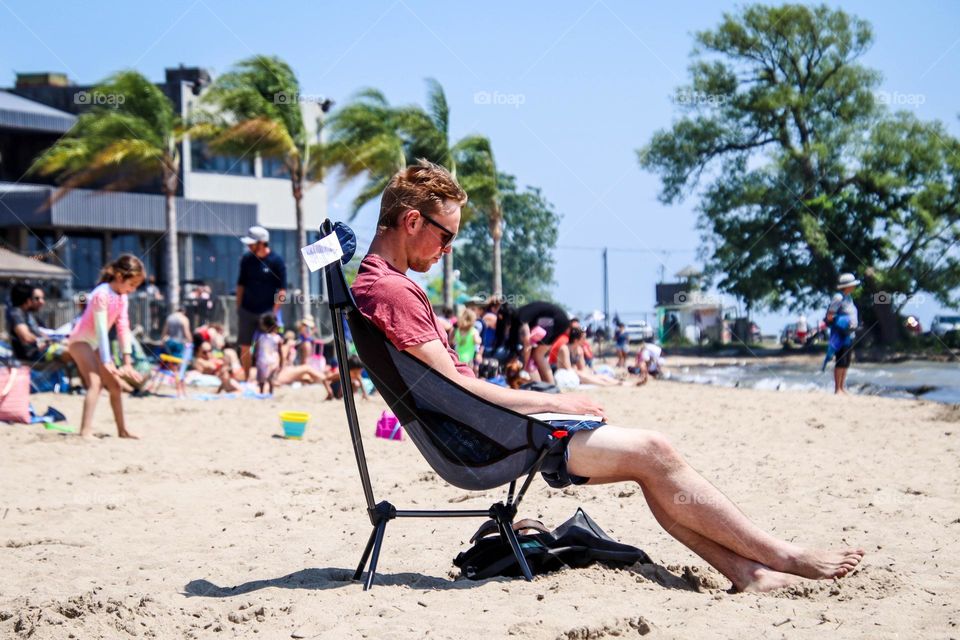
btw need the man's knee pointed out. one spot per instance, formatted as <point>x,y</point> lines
<point>655,449</point>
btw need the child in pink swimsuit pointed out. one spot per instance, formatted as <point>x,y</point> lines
<point>90,343</point>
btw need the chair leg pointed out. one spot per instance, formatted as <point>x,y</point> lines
<point>366,553</point>
<point>379,531</point>
<point>373,544</point>
<point>508,534</point>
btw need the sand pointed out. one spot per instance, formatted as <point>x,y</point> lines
<point>212,526</point>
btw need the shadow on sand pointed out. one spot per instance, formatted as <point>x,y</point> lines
<point>335,578</point>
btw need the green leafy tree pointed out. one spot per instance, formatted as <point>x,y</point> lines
<point>258,110</point>
<point>802,172</point>
<point>530,231</point>
<point>129,139</point>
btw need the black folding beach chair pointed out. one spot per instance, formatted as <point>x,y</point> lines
<point>470,443</point>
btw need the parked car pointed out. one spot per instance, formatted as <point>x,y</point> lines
<point>942,324</point>
<point>637,331</point>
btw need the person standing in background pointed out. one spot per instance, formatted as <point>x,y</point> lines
<point>261,288</point>
<point>843,319</point>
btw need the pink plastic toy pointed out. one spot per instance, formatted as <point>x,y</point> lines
<point>388,427</point>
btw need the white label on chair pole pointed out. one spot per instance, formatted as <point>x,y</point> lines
<point>324,251</point>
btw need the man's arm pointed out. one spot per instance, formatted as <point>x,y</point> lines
<point>23,332</point>
<point>279,299</point>
<point>239,295</point>
<point>436,357</point>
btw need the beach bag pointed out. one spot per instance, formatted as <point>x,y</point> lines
<point>388,427</point>
<point>15,394</point>
<point>577,543</point>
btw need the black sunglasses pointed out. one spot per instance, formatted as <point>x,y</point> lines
<point>445,241</point>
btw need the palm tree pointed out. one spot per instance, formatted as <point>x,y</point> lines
<point>478,176</point>
<point>131,140</point>
<point>371,138</point>
<point>258,111</point>
<point>365,141</point>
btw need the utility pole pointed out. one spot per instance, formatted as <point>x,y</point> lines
<point>606,294</point>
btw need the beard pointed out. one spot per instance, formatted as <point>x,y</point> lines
<point>420,265</point>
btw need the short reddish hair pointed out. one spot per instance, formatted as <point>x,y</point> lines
<point>424,186</point>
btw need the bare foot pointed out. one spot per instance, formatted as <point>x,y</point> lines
<point>763,579</point>
<point>87,437</point>
<point>824,565</point>
<point>127,434</point>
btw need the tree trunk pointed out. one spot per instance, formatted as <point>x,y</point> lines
<point>887,321</point>
<point>496,232</point>
<point>173,249</point>
<point>448,280</point>
<point>303,271</point>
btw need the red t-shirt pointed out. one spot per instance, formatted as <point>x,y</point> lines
<point>554,355</point>
<point>399,307</point>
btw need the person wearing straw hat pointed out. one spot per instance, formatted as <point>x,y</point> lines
<point>843,320</point>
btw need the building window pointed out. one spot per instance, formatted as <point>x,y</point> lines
<point>216,262</point>
<point>274,168</point>
<point>125,243</point>
<point>85,257</point>
<point>203,160</point>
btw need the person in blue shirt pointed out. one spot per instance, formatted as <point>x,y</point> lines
<point>843,320</point>
<point>261,288</point>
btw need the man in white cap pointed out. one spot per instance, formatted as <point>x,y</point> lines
<point>261,288</point>
<point>842,306</point>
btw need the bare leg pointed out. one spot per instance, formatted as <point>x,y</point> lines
<point>245,360</point>
<point>745,574</point>
<point>116,402</point>
<point>89,368</point>
<point>686,498</point>
<point>543,365</point>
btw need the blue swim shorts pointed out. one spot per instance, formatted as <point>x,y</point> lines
<point>554,469</point>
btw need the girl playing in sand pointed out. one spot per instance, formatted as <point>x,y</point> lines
<point>89,342</point>
<point>269,353</point>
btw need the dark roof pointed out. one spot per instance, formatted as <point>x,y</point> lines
<point>13,265</point>
<point>19,113</point>
<point>27,205</point>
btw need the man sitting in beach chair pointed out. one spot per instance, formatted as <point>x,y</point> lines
<point>419,220</point>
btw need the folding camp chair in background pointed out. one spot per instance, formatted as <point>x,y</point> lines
<point>470,443</point>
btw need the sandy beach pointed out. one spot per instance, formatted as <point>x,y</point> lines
<point>213,526</point>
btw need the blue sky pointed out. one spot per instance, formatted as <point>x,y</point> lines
<point>567,91</point>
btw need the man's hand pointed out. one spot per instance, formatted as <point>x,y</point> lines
<point>579,404</point>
